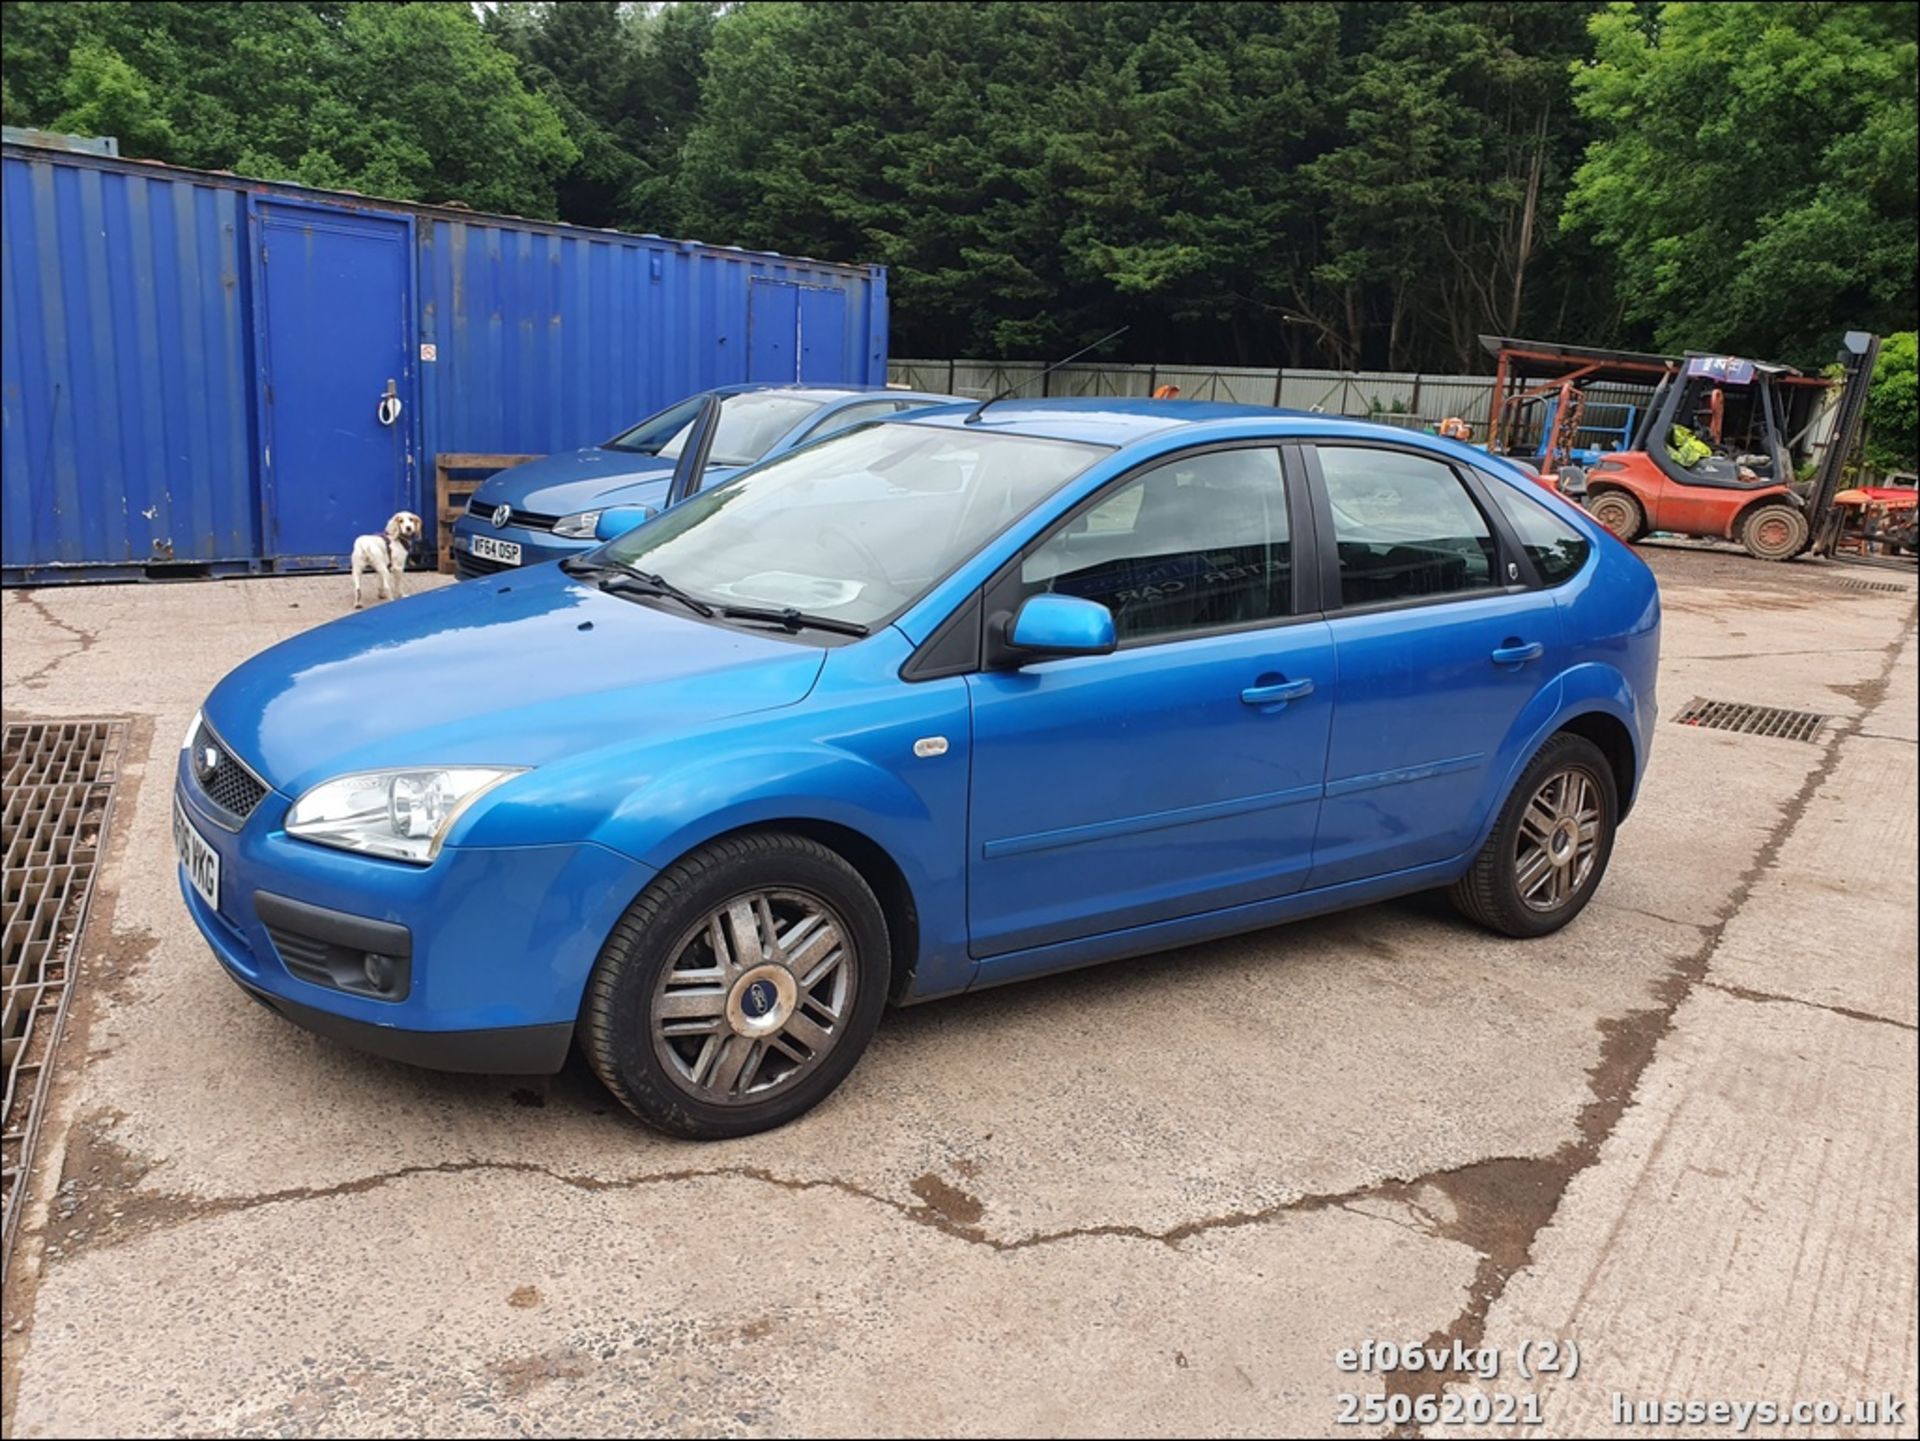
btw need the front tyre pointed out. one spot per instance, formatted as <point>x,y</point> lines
<point>1548,850</point>
<point>739,989</point>
<point>1774,532</point>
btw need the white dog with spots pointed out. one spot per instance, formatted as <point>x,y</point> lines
<point>386,555</point>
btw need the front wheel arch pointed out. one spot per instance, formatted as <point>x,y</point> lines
<point>876,866</point>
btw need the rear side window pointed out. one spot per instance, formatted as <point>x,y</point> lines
<point>1558,550</point>
<point>1405,527</point>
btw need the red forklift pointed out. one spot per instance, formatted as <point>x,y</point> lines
<point>1708,453</point>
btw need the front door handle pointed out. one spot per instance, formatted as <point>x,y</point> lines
<point>1514,653</point>
<point>1278,694</point>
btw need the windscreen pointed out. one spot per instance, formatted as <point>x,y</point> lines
<point>857,527</point>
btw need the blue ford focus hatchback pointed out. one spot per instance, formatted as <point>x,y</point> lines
<point>935,704</point>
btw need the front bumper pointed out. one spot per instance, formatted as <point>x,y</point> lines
<point>536,546</point>
<point>502,939</point>
<point>509,1051</point>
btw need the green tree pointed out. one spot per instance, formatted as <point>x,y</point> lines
<point>625,80</point>
<point>1893,405</point>
<point>411,101</point>
<point>1754,174</point>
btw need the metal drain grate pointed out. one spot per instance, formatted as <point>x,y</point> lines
<point>1753,720</point>
<point>1876,587</point>
<point>59,779</point>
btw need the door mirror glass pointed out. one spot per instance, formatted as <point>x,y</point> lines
<point>1059,625</point>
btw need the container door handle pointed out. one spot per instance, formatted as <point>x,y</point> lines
<point>1278,694</point>
<point>389,408</point>
<point>1515,653</point>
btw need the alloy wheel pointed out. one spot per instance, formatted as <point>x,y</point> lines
<point>1559,830</point>
<point>755,997</point>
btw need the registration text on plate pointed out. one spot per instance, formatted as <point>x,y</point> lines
<point>505,551</point>
<point>200,859</point>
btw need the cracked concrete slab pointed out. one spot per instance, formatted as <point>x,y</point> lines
<point>1772,1152</point>
<point>1154,1196</point>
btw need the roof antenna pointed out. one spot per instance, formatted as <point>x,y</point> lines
<point>980,409</point>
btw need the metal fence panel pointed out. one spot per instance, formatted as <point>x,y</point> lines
<point>1404,398</point>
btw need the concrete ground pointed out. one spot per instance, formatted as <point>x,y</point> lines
<point>1158,1197</point>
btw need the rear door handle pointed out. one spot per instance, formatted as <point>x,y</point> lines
<point>1278,694</point>
<point>1514,653</point>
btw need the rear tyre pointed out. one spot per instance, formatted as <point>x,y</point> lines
<point>1550,847</point>
<point>1774,532</point>
<point>1619,513</point>
<point>739,989</point>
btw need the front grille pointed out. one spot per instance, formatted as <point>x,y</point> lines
<point>229,787</point>
<point>470,567</point>
<point>529,519</point>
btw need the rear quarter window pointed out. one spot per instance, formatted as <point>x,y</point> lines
<point>1558,550</point>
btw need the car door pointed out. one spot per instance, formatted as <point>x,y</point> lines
<point>1440,645</point>
<point>1181,772</point>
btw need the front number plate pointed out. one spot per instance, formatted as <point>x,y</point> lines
<point>505,551</point>
<point>200,859</point>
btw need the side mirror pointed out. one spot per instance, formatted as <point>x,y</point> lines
<point>1058,625</point>
<point>618,520</point>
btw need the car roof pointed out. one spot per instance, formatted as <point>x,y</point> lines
<point>827,393</point>
<point>1121,420</point>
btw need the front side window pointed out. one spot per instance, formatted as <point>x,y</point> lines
<point>857,527</point>
<point>1405,527</point>
<point>1558,550</point>
<point>649,435</point>
<point>1198,543</point>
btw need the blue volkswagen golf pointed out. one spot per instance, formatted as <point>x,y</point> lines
<point>553,507</point>
<point>937,704</point>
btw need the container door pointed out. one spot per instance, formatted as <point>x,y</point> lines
<point>773,324</point>
<point>337,401</point>
<point>823,335</point>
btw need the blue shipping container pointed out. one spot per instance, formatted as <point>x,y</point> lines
<point>204,374</point>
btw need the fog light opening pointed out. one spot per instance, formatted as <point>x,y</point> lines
<point>379,971</point>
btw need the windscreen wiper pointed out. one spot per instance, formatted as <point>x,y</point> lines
<point>793,619</point>
<point>620,578</point>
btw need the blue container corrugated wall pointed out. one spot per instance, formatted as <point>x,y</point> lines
<point>127,410</point>
<point>139,368</point>
<point>556,338</point>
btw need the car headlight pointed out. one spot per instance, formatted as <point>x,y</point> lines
<point>578,526</point>
<point>193,729</point>
<point>404,814</point>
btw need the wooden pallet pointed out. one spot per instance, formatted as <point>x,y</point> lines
<point>456,475</point>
